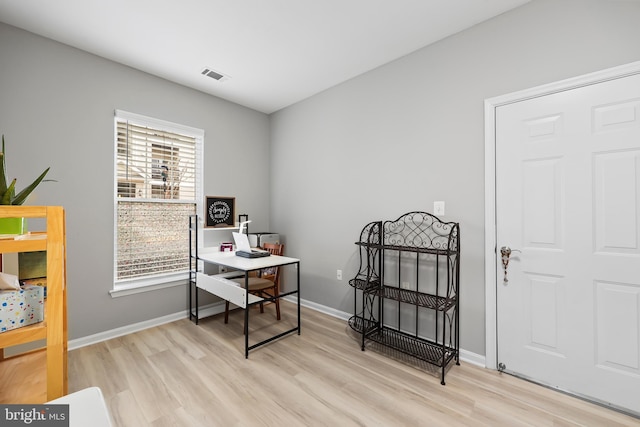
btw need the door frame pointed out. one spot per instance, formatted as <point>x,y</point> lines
<point>491,261</point>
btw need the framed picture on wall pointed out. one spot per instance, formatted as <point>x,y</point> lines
<point>219,211</point>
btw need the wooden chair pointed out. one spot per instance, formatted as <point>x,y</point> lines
<point>265,284</point>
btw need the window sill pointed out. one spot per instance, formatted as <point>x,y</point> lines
<point>148,285</point>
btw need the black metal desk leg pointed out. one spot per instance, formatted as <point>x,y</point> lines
<point>298,271</point>
<point>246,315</point>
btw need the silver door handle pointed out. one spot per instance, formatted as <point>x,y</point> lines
<point>506,251</point>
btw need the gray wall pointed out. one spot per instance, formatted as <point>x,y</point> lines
<point>385,143</point>
<point>56,109</point>
<point>411,132</point>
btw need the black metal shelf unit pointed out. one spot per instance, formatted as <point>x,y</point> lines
<point>407,287</point>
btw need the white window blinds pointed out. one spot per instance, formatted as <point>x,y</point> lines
<point>157,188</point>
<point>155,164</point>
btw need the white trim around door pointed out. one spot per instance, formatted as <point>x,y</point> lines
<point>490,105</point>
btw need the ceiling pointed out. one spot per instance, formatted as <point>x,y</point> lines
<point>274,52</point>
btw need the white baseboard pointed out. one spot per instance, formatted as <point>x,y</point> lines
<point>217,308</point>
<point>472,358</point>
<point>321,308</point>
<point>208,310</point>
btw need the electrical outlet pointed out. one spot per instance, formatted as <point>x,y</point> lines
<point>438,208</point>
<point>339,274</point>
<point>222,269</point>
<point>406,285</point>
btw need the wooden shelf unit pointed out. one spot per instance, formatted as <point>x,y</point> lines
<point>41,375</point>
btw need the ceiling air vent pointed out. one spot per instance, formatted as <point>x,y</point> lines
<point>214,74</point>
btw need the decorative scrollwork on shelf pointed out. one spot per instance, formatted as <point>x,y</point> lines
<point>421,230</point>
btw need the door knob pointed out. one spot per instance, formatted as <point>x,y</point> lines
<point>506,251</point>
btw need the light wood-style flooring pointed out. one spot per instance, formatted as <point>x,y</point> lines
<point>181,374</point>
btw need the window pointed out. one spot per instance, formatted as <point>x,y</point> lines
<point>158,175</point>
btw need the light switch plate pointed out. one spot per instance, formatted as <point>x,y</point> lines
<point>438,208</point>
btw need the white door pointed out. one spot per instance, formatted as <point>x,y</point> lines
<point>568,198</point>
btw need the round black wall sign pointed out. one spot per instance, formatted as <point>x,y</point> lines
<point>219,211</point>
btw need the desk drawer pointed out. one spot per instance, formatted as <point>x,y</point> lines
<point>225,289</point>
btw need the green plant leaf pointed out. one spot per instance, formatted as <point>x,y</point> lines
<point>3,172</point>
<point>22,196</point>
<point>8,194</point>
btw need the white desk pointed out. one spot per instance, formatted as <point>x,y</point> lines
<point>221,286</point>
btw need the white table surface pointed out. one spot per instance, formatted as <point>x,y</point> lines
<point>242,264</point>
<point>231,260</point>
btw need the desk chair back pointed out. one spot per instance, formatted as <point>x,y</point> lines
<point>266,284</point>
<point>273,273</point>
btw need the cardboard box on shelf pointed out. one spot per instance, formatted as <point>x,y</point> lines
<point>39,281</point>
<point>21,308</point>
